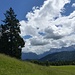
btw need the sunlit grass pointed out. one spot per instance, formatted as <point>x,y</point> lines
<point>12,66</point>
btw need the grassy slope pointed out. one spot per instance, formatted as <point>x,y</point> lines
<point>11,66</point>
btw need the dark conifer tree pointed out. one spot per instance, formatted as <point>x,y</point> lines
<point>11,39</point>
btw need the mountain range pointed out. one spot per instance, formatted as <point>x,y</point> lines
<point>51,52</point>
<point>60,56</point>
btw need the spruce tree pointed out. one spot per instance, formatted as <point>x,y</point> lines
<point>11,39</point>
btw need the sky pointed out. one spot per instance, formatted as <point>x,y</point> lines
<point>21,7</point>
<point>45,24</point>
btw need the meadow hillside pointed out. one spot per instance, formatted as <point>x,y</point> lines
<point>12,66</point>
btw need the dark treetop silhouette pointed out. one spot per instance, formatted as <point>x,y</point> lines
<point>11,42</point>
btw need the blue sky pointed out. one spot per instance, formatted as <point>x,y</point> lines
<point>21,7</point>
<point>68,8</point>
<point>52,25</point>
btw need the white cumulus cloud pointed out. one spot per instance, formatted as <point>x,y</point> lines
<point>57,32</point>
<point>73,5</point>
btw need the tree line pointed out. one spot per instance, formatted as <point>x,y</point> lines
<point>50,63</point>
<point>11,42</point>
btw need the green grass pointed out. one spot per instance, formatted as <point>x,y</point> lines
<point>12,66</point>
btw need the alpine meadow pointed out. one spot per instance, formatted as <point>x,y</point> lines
<point>37,37</point>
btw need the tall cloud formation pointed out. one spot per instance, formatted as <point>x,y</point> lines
<point>48,28</point>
